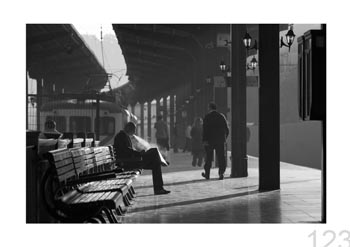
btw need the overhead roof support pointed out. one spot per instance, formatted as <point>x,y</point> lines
<point>57,53</point>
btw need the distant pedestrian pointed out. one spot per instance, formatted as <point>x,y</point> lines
<point>215,132</point>
<point>188,139</point>
<point>162,135</point>
<point>197,144</point>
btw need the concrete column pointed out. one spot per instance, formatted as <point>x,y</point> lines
<point>39,99</point>
<point>165,109</point>
<point>177,140</point>
<point>27,100</point>
<point>202,75</point>
<point>207,95</point>
<point>194,86</point>
<point>202,103</point>
<point>269,108</point>
<point>142,120</point>
<point>158,108</point>
<point>172,117</point>
<point>238,104</point>
<point>181,120</point>
<point>190,105</point>
<point>149,122</point>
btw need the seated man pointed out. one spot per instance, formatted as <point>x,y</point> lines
<point>151,159</point>
<point>50,131</point>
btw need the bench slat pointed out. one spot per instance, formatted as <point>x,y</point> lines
<point>64,169</point>
<point>64,162</point>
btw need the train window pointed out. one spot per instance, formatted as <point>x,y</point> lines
<point>60,122</point>
<point>107,125</point>
<point>79,124</point>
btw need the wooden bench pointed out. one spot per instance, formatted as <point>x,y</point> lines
<point>97,161</point>
<point>83,185</point>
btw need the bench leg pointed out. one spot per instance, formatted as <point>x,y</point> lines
<point>133,191</point>
<point>110,216</point>
<point>114,216</point>
<point>131,195</point>
<point>103,218</point>
<point>126,201</point>
<point>128,195</point>
<point>120,211</point>
<point>93,220</point>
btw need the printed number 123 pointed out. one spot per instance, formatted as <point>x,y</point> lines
<point>331,241</point>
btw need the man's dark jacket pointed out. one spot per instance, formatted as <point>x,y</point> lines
<point>215,129</point>
<point>123,146</point>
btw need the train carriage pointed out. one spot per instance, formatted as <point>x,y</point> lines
<point>76,116</point>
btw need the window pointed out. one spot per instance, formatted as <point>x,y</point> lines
<point>80,124</point>
<point>107,126</point>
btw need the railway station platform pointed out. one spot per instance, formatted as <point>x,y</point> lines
<point>232,200</point>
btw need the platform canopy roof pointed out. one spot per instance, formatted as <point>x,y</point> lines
<point>58,54</point>
<point>158,56</point>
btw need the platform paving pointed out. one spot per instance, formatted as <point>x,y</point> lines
<point>232,200</point>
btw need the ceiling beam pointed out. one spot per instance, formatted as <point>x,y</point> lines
<point>132,56</point>
<point>178,54</point>
<point>147,62</point>
<point>161,36</point>
<point>33,40</point>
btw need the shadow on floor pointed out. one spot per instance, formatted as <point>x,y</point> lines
<point>139,196</point>
<point>210,199</point>
<point>202,180</point>
<point>176,183</point>
<point>288,182</point>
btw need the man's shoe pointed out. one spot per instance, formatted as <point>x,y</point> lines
<point>161,192</point>
<point>205,175</point>
<point>221,177</point>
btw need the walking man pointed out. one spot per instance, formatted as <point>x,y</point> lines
<point>215,132</point>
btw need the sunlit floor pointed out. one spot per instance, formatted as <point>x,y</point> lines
<point>232,200</point>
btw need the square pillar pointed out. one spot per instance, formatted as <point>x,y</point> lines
<point>149,122</point>
<point>165,109</point>
<point>269,107</point>
<point>158,108</point>
<point>39,101</point>
<point>27,101</point>
<point>238,103</point>
<point>142,120</point>
<point>172,117</point>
